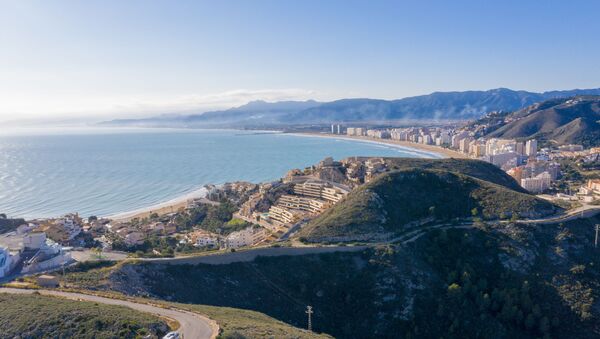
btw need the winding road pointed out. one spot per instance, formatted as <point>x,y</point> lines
<point>191,325</point>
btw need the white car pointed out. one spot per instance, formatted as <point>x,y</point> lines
<point>171,335</point>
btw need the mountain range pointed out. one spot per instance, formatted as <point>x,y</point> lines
<point>435,106</point>
<point>557,121</point>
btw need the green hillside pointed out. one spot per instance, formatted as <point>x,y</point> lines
<point>475,168</point>
<point>564,121</point>
<point>393,202</point>
<point>36,316</point>
<point>492,281</point>
<point>235,323</point>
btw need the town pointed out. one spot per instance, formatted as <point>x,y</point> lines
<point>232,216</point>
<point>242,214</point>
<point>535,169</point>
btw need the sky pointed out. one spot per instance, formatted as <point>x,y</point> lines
<point>84,59</point>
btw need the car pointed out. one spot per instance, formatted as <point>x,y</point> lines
<point>172,335</point>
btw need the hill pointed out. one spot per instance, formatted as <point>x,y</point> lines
<point>491,281</point>
<point>558,121</point>
<point>235,323</point>
<point>403,199</point>
<point>36,316</point>
<point>434,106</point>
<point>474,168</point>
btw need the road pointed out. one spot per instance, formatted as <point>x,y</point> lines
<point>585,211</point>
<point>192,325</point>
<point>250,255</point>
<point>89,255</point>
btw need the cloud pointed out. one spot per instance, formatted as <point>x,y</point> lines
<point>81,106</point>
<point>218,100</point>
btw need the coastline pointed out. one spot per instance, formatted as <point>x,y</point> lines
<point>180,202</point>
<point>162,208</point>
<point>427,149</point>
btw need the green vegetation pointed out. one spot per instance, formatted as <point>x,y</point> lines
<point>9,225</point>
<point>153,247</point>
<point>212,218</point>
<point>237,323</point>
<point>390,203</point>
<point>473,168</point>
<point>510,280</point>
<point>36,316</point>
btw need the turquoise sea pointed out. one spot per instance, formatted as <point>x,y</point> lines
<point>46,173</point>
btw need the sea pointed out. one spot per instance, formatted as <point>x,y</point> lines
<point>110,171</point>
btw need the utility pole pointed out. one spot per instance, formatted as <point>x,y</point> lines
<point>309,311</point>
<point>596,241</point>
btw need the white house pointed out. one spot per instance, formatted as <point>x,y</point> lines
<point>202,238</point>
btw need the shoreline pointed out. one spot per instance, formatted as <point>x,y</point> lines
<point>173,205</point>
<point>162,208</point>
<point>181,202</point>
<point>427,149</point>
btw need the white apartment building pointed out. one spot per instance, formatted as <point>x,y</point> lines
<point>283,215</point>
<point>531,148</point>
<point>426,139</point>
<point>311,205</point>
<point>499,159</point>
<point>321,190</point>
<point>538,183</point>
<point>464,144</point>
<point>476,149</point>
<point>246,237</point>
<point>570,148</point>
<point>34,240</point>
<point>358,131</point>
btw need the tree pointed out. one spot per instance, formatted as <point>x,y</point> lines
<point>529,321</point>
<point>432,211</point>
<point>92,218</point>
<point>454,289</point>
<point>544,325</point>
<point>98,252</point>
<point>474,212</point>
<point>3,216</point>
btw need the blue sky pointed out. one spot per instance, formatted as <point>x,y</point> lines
<point>89,58</point>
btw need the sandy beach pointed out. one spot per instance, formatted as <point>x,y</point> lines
<point>146,212</point>
<point>163,208</point>
<point>443,152</point>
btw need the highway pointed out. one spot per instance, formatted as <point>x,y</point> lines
<point>191,325</point>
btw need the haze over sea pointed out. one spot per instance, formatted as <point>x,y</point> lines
<point>109,171</point>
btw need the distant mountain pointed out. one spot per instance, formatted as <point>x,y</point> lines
<point>557,121</point>
<point>254,113</point>
<point>435,106</point>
